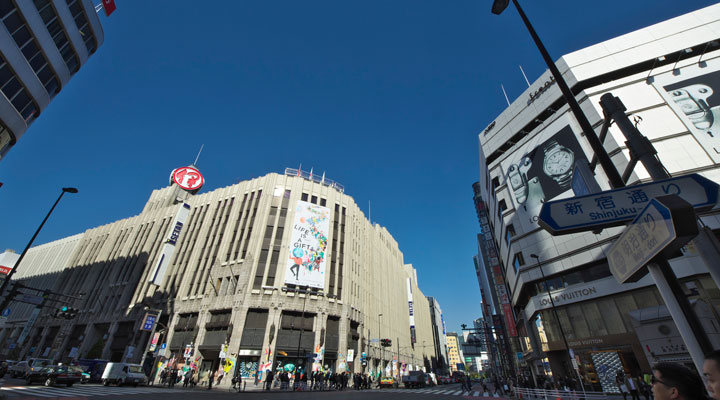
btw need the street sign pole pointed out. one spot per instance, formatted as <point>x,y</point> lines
<point>707,245</point>
<point>682,313</point>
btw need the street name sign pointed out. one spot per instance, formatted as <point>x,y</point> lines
<point>29,298</point>
<point>618,206</point>
<point>665,225</point>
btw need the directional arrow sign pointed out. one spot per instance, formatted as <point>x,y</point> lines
<point>619,206</point>
<point>666,224</point>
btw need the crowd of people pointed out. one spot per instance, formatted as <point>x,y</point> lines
<point>316,380</point>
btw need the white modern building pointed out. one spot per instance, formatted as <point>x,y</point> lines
<point>668,77</point>
<point>43,43</point>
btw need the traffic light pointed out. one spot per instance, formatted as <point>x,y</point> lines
<point>385,342</point>
<point>66,312</point>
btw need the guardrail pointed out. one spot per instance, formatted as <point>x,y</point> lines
<point>559,394</point>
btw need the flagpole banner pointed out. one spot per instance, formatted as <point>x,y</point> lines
<point>306,263</point>
<point>693,93</point>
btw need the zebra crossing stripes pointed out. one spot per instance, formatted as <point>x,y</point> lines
<point>450,392</point>
<point>82,391</point>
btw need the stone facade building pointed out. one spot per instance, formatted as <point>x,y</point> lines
<point>225,285</point>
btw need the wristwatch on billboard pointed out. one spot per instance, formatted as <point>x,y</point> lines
<point>692,100</point>
<point>517,181</point>
<point>558,163</point>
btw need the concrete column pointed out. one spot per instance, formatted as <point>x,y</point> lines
<point>110,333</point>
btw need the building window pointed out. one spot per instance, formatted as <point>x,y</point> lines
<point>52,22</point>
<point>502,206</point>
<point>15,92</point>
<point>83,25</point>
<point>28,46</point>
<point>304,197</point>
<point>313,199</point>
<point>509,233</point>
<point>495,183</point>
<point>518,261</point>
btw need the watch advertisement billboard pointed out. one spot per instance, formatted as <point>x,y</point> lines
<point>543,171</point>
<point>690,92</point>
<point>308,246</point>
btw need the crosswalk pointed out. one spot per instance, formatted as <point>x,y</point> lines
<point>435,391</point>
<point>81,391</point>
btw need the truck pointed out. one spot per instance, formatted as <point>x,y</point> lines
<point>123,374</point>
<point>415,379</point>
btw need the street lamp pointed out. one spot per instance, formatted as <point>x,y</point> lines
<point>612,173</point>
<point>557,318</point>
<point>7,299</point>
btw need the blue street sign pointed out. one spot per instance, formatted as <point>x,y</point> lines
<point>149,322</point>
<point>618,206</point>
<point>6,312</point>
<point>163,346</point>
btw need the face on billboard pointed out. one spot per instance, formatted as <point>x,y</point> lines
<point>693,92</point>
<point>544,172</point>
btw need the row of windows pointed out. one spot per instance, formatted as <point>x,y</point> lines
<point>29,47</point>
<point>55,28</point>
<point>17,93</point>
<point>82,24</point>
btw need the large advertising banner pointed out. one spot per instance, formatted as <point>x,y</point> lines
<point>690,92</point>
<point>176,227</point>
<point>544,170</point>
<point>308,246</point>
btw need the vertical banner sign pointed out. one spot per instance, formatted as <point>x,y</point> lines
<point>412,312</point>
<point>306,263</point>
<point>168,249</point>
<point>153,344</point>
<point>28,325</point>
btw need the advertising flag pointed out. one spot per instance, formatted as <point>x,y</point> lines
<point>168,249</point>
<point>109,6</point>
<point>308,246</point>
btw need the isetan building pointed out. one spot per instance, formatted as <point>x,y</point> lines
<point>668,77</point>
<point>43,43</point>
<point>280,269</point>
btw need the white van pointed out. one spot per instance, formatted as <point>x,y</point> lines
<point>123,374</point>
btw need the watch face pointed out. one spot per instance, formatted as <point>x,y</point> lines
<point>558,163</point>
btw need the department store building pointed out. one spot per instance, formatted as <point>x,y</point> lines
<point>668,77</point>
<point>279,269</point>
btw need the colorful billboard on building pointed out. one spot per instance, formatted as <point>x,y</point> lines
<point>308,246</point>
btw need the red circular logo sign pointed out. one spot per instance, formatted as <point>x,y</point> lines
<point>188,178</point>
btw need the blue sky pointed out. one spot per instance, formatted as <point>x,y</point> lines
<point>385,97</point>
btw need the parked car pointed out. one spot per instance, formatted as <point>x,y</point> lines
<point>387,381</point>
<point>51,375</point>
<point>23,368</point>
<point>124,374</point>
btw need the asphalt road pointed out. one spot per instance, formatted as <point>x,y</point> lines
<point>15,389</point>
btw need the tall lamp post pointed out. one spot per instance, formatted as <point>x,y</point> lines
<point>7,298</point>
<point>557,318</point>
<point>612,173</point>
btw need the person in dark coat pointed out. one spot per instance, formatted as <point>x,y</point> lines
<point>268,379</point>
<point>211,378</point>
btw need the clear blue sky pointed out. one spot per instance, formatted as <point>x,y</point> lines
<point>385,97</point>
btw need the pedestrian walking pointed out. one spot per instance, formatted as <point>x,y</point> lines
<point>711,370</point>
<point>268,379</point>
<point>211,378</point>
<point>633,386</point>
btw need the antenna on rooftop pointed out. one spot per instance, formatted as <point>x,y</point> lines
<point>198,156</point>
<point>524,76</point>
<point>506,98</point>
